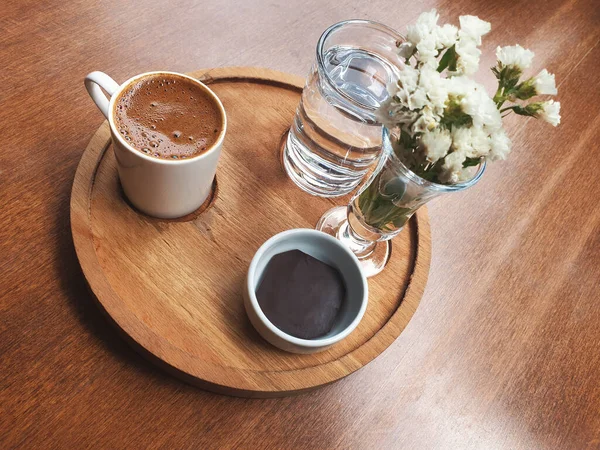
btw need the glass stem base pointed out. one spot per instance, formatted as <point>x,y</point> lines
<point>373,255</point>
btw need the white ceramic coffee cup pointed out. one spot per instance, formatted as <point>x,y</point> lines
<point>158,187</point>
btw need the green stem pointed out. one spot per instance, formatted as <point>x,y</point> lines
<point>378,210</point>
<point>395,213</point>
<point>367,199</point>
<point>499,96</point>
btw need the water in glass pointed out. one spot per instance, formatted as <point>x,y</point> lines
<point>336,137</point>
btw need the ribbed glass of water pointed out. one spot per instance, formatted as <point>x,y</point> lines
<point>336,137</point>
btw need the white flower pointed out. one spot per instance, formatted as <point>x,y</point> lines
<point>423,27</point>
<point>412,100</point>
<point>427,48</point>
<point>453,167</point>
<point>445,35</point>
<point>408,78</point>
<point>550,112</point>
<point>408,91</point>
<point>391,111</point>
<point>428,19</point>
<point>468,56</point>
<point>436,143</point>
<point>406,50</point>
<point>478,104</point>
<point>544,83</point>
<point>515,56</point>
<point>435,87</point>
<point>459,85</point>
<point>480,143</point>
<point>475,102</point>
<point>473,142</point>
<point>500,146</point>
<point>423,36</point>
<point>418,99</point>
<point>461,139</point>
<point>472,27</point>
<point>426,121</point>
<point>416,32</point>
<point>469,38</point>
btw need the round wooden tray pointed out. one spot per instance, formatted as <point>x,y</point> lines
<point>175,287</point>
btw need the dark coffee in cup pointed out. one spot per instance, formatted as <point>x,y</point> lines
<point>168,117</point>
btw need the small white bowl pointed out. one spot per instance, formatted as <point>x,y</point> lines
<point>328,250</point>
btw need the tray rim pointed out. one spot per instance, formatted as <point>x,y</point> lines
<point>145,340</point>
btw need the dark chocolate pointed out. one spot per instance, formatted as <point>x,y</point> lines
<point>301,295</point>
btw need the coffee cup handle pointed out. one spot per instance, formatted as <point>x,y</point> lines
<point>94,83</point>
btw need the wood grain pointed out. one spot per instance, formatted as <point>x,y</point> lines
<point>175,287</point>
<point>504,350</point>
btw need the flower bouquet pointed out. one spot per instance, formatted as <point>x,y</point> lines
<point>440,128</point>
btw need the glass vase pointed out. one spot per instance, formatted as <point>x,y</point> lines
<point>382,206</point>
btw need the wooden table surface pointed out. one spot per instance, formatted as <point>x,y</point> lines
<point>504,350</point>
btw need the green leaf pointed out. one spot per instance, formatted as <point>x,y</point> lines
<point>394,188</point>
<point>529,110</point>
<point>448,60</point>
<point>455,116</point>
<point>401,218</point>
<point>452,65</point>
<point>406,141</point>
<point>525,90</point>
<point>367,199</point>
<point>470,162</point>
<point>510,75</point>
